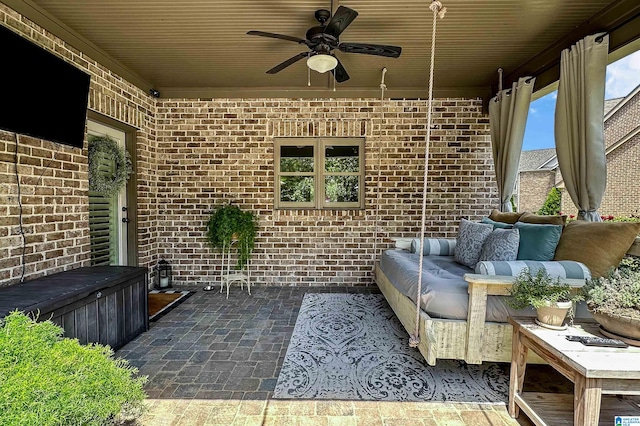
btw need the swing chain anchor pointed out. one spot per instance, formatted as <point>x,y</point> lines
<point>382,85</point>
<point>438,8</point>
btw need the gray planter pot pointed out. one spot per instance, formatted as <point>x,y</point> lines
<point>622,326</point>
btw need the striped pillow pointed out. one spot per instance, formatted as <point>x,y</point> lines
<point>434,246</point>
<point>562,268</point>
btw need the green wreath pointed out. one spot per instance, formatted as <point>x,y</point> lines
<point>104,148</point>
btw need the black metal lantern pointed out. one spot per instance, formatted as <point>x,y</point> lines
<point>163,274</point>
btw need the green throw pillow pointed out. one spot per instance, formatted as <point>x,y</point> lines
<point>538,242</point>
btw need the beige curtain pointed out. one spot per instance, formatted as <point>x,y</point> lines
<point>508,116</point>
<point>579,123</point>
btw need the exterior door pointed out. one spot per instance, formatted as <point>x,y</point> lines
<point>108,221</point>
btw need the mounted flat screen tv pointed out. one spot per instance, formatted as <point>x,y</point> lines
<point>41,95</point>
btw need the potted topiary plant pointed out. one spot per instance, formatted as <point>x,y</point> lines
<point>227,225</point>
<point>552,299</point>
<point>614,301</point>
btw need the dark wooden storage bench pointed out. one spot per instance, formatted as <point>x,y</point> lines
<point>102,304</point>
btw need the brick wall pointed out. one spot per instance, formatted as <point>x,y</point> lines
<point>534,188</point>
<point>217,151</point>
<point>193,155</point>
<point>53,177</point>
<point>623,121</point>
<point>622,197</point>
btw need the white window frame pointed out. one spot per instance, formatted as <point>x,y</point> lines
<point>319,174</point>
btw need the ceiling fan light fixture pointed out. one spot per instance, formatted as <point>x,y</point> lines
<point>322,62</point>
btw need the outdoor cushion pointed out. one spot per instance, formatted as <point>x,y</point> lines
<point>599,245</point>
<point>434,246</point>
<point>501,244</point>
<point>471,237</point>
<point>497,224</point>
<point>537,241</point>
<point>444,292</point>
<point>504,217</point>
<point>562,269</point>
<point>543,219</point>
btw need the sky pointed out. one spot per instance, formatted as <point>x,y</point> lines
<point>622,77</point>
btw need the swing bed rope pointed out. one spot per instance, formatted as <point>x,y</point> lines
<point>438,11</point>
<point>376,223</point>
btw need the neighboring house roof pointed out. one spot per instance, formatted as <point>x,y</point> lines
<point>535,159</point>
<point>609,104</point>
<point>609,113</point>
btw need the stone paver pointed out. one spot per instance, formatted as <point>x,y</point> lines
<point>215,361</point>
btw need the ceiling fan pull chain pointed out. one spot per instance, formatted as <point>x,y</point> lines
<point>308,72</point>
<point>438,12</point>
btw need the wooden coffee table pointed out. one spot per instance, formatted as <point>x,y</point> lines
<point>599,374</point>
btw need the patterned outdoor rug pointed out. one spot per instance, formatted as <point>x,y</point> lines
<point>352,347</point>
<point>162,301</point>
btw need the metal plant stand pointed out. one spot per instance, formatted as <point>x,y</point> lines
<point>229,275</point>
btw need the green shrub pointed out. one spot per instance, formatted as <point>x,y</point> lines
<point>629,264</point>
<point>625,219</point>
<point>552,204</point>
<point>616,294</point>
<point>46,379</point>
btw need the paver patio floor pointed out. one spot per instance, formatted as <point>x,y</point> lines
<point>215,361</point>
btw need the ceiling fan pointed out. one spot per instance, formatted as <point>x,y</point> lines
<point>323,39</point>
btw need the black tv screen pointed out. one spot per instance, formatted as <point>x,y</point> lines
<point>41,95</point>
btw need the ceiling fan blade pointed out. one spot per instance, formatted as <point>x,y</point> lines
<point>340,20</point>
<point>371,49</point>
<point>340,73</point>
<point>280,36</point>
<point>288,62</point>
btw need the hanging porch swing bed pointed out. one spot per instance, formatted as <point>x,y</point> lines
<point>456,309</point>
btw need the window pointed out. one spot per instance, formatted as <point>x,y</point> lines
<point>319,173</point>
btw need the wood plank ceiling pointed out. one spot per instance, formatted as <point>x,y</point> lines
<point>199,48</point>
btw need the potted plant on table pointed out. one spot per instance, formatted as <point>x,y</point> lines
<point>614,301</point>
<point>552,299</point>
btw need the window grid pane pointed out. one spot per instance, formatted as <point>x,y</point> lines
<point>320,173</point>
<point>297,189</point>
<point>341,159</point>
<point>297,159</point>
<point>342,189</point>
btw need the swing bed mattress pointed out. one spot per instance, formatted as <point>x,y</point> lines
<point>444,292</point>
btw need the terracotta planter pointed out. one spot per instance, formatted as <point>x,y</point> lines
<point>553,314</point>
<point>622,326</point>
